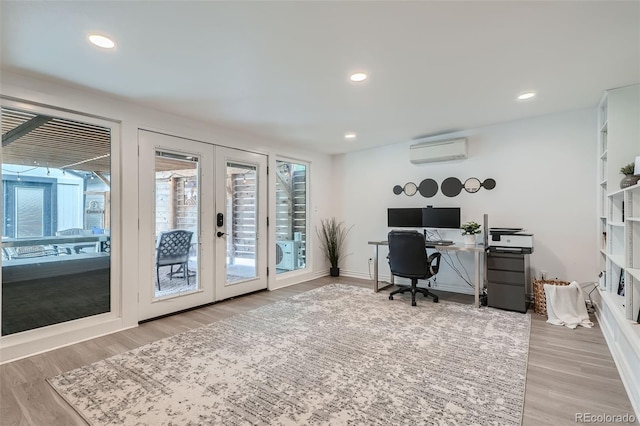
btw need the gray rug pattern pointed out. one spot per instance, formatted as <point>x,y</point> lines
<point>335,355</point>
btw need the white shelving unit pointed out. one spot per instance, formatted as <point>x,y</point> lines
<point>602,181</point>
<point>618,218</point>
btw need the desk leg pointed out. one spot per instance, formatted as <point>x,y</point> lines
<point>375,268</point>
<point>376,283</point>
<point>477,279</point>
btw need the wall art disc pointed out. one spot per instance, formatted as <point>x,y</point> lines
<point>451,186</point>
<point>410,189</point>
<point>489,183</point>
<point>472,185</point>
<point>428,188</point>
<point>397,190</point>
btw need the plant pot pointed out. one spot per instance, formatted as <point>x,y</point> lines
<point>629,180</point>
<point>334,272</point>
<point>469,239</point>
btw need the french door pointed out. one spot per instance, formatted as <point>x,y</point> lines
<point>241,222</point>
<point>202,223</point>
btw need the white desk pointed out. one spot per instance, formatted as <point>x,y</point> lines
<point>477,251</point>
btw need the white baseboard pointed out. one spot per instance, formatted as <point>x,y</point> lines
<point>353,274</point>
<point>45,339</point>
<point>295,277</point>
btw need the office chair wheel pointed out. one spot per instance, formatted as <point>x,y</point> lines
<point>413,303</point>
<point>435,299</point>
<point>390,297</point>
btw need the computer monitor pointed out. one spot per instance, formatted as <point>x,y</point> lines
<point>404,218</point>
<point>429,217</point>
<point>441,217</point>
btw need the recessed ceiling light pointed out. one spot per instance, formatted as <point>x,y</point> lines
<point>350,136</point>
<point>102,41</point>
<point>359,76</point>
<point>526,95</point>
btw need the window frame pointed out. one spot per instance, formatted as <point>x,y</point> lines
<point>52,335</point>
<point>307,246</point>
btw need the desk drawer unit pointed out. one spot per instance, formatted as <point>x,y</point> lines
<point>507,281</point>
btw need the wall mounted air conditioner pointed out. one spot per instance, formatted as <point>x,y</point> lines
<point>287,254</point>
<point>442,150</point>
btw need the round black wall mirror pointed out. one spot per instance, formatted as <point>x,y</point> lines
<point>428,188</point>
<point>489,183</point>
<point>451,186</point>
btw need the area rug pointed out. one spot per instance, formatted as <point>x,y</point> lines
<point>335,355</point>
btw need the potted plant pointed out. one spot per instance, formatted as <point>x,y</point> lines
<point>332,236</point>
<point>469,230</point>
<point>629,178</point>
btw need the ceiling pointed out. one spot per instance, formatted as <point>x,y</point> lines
<point>281,70</point>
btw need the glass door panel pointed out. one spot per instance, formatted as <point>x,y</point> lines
<point>177,217</point>
<point>241,220</point>
<point>241,230</point>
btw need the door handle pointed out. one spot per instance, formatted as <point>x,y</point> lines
<point>220,234</point>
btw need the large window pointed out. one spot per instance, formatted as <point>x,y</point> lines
<point>291,216</point>
<point>56,220</point>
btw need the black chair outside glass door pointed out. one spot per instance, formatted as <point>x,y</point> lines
<point>173,249</point>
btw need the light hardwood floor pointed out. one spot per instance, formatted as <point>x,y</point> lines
<point>569,371</point>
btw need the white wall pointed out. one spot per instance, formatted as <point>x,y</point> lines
<point>544,170</point>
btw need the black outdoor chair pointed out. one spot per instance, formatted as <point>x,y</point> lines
<point>173,249</point>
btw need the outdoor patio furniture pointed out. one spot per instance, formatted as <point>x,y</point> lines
<point>173,249</point>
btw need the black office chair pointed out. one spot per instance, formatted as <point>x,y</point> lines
<point>408,259</point>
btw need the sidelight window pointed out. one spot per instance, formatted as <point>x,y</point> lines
<point>291,215</point>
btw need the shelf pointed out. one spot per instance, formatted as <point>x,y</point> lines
<point>603,183</point>
<point>618,224</point>
<point>617,302</point>
<point>630,328</point>
<point>603,217</point>
<point>620,191</point>
<point>633,219</point>
<point>635,273</point>
<point>617,259</point>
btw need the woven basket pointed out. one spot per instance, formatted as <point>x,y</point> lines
<point>539,297</point>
